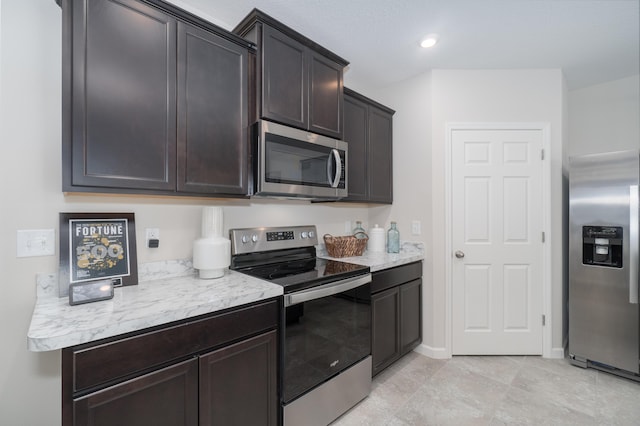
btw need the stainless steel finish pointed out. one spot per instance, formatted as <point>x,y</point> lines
<point>459,254</point>
<point>634,243</point>
<point>330,400</point>
<point>326,290</point>
<point>252,240</point>
<point>577,361</point>
<point>283,190</point>
<point>603,324</point>
<point>335,179</point>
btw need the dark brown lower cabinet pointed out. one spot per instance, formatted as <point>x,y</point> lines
<point>218,369</point>
<point>385,346</point>
<point>410,315</point>
<point>167,397</point>
<point>238,384</point>
<point>396,305</point>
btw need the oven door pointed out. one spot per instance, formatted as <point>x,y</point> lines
<point>298,164</point>
<point>328,329</point>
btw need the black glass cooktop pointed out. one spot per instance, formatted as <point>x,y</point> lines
<point>295,275</point>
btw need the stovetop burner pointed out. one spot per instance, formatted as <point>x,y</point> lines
<point>287,257</point>
<point>298,275</point>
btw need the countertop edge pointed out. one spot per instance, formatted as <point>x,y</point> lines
<point>125,312</point>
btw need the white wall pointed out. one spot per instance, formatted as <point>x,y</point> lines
<point>30,167</point>
<point>605,117</point>
<point>495,96</point>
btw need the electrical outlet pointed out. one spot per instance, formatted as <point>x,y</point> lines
<point>152,234</point>
<point>347,227</point>
<point>416,227</point>
<point>35,242</point>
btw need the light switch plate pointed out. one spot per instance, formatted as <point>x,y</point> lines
<point>416,227</point>
<point>35,242</point>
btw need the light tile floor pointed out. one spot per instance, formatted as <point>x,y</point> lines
<point>495,390</point>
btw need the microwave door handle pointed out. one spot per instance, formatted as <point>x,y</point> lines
<point>634,243</point>
<point>334,157</point>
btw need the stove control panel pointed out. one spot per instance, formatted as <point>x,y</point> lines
<point>281,235</point>
<point>252,240</point>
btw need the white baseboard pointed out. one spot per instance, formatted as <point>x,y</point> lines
<point>431,352</point>
<point>557,353</point>
<point>441,353</point>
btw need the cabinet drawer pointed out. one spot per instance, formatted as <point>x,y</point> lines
<point>388,278</point>
<point>94,365</point>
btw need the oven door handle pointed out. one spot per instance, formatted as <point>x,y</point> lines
<point>326,290</point>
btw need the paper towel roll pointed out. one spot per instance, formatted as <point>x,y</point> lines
<point>376,241</point>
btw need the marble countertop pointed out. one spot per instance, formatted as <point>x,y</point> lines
<point>409,252</point>
<point>55,324</point>
<point>167,291</point>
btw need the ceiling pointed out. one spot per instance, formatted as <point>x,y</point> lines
<point>592,41</point>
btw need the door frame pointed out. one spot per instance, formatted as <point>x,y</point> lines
<point>546,224</point>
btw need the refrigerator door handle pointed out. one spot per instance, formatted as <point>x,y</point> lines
<point>634,240</point>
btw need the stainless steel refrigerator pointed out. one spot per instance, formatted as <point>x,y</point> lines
<point>604,315</point>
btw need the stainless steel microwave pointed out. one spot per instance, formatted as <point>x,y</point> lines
<point>293,163</point>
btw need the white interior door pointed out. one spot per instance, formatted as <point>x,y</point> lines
<point>496,238</point>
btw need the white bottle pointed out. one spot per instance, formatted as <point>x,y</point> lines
<point>376,243</point>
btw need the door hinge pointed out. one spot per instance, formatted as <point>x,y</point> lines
<point>544,320</point>
<point>543,236</point>
<point>542,154</point>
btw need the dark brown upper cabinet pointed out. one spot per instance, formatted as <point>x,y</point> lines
<point>299,83</point>
<point>368,129</point>
<point>155,100</point>
<point>212,113</point>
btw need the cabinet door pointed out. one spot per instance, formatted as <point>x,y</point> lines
<point>285,79</point>
<point>212,113</point>
<point>355,134</point>
<point>385,343</point>
<point>410,315</point>
<point>238,384</point>
<point>123,127</point>
<point>165,397</point>
<point>325,96</point>
<point>380,156</point>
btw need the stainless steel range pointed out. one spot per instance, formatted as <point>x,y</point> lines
<point>326,324</point>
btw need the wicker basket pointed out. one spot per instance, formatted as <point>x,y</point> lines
<point>345,246</point>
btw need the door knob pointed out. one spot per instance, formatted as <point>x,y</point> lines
<point>459,254</point>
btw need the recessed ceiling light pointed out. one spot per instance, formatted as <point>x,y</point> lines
<point>429,41</point>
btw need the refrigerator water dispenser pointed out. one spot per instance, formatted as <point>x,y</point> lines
<point>602,246</point>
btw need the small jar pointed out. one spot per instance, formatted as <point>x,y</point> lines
<point>393,239</point>
<point>358,231</point>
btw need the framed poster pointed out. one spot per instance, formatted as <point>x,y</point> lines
<point>97,246</point>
